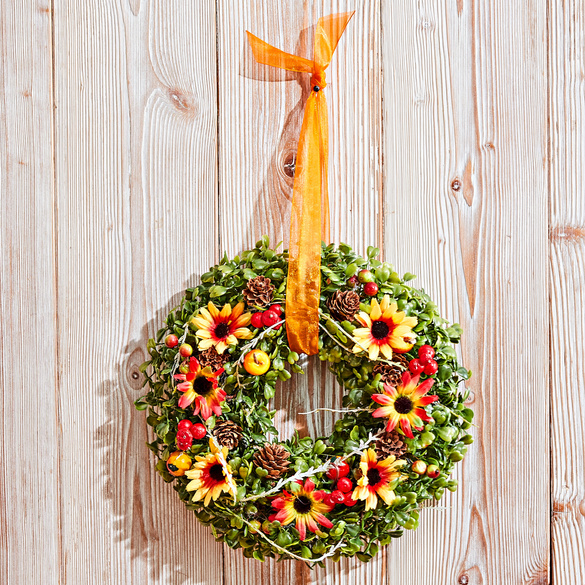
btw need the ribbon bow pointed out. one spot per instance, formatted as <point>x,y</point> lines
<point>310,203</point>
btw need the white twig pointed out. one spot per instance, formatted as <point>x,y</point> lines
<point>282,550</point>
<point>338,410</point>
<point>177,360</point>
<point>314,470</point>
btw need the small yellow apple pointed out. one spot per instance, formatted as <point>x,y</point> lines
<point>256,362</point>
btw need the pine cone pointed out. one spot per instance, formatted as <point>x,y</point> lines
<point>390,373</point>
<point>344,304</point>
<point>211,358</point>
<point>259,292</point>
<point>227,433</point>
<point>273,458</point>
<point>390,444</point>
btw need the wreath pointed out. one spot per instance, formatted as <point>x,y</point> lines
<point>212,373</point>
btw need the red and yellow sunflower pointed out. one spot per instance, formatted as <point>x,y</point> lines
<point>385,329</point>
<point>200,385</point>
<point>306,507</point>
<point>220,329</point>
<point>405,404</point>
<point>379,478</point>
<point>211,475</point>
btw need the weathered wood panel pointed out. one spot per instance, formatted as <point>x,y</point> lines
<point>29,484</point>
<point>567,288</point>
<point>466,195</point>
<point>260,116</point>
<point>136,172</point>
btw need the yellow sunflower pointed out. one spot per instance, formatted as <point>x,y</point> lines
<point>220,329</point>
<point>306,506</point>
<point>385,329</point>
<point>405,404</point>
<point>210,476</point>
<point>379,478</point>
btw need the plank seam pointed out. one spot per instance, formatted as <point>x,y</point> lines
<point>61,570</point>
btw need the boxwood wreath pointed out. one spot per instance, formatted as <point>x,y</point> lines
<point>212,373</point>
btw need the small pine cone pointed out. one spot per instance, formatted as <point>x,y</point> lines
<point>390,373</point>
<point>401,359</point>
<point>273,458</point>
<point>211,358</point>
<point>344,304</point>
<point>390,444</point>
<point>227,433</point>
<point>259,292</point>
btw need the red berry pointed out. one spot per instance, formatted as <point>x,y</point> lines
<point>270,318</point>
<point>184,440</point>
<point>433,471</point>
<point>277,309</point>
<point>349,501</point>
<point>184,425</point>
<point>431,367</point>
<point>337,497</point>
<point>172,340</point>
<point>344,485</point>
<point>416,367</point>
<point>425,353</point>
<point>185,350</point>
<point>371,289</point>
<point>198,431</point>
<point>339,469</point>
<point>256,320</point>
<point>352,281</point>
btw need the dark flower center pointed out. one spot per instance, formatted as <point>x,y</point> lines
<point>373,476</point>
<point>302,504</point>
<point>216,472</point>
<point>403,405</point>
<point>222,330</point>
<point>380,329</point>
<point>202,386</point>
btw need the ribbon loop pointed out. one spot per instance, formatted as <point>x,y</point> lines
<point>310,205</point>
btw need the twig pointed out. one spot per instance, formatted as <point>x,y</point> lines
<point>338,410</point>
<point>314,470</point>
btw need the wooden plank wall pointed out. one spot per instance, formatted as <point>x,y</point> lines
<point>139,140</point>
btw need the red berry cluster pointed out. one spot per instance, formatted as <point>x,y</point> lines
<point>425,362</point>
<point>366,278</point>
<point>267,318</point>
<point>344,486</point>
<point>187,431</point>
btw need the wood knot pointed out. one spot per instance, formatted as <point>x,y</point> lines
<point>182,101</point>
<point>456,185</point>
<point>289,164</point>
<point>463,579</point>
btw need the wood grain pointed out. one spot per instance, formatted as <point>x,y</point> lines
<point>567,288</point>
<point>139,140</point>
<point>29,483</point>
<point>137,215</point>
<point>465,189</point>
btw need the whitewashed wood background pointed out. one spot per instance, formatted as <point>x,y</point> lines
<point>139,140</point>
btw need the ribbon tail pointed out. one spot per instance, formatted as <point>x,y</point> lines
<point>304,272</point>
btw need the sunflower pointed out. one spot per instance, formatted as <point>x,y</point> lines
<point>306,506</point>
<point>405,404</point>
<point>201,385</point>
<point>384,329</point>
<point>220,329</point>
<point>379,478</point>
<point>211,475</point>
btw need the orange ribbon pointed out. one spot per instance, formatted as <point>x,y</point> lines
<point>310,203</point>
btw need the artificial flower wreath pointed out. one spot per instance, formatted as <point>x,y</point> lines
<point>213,370</point>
